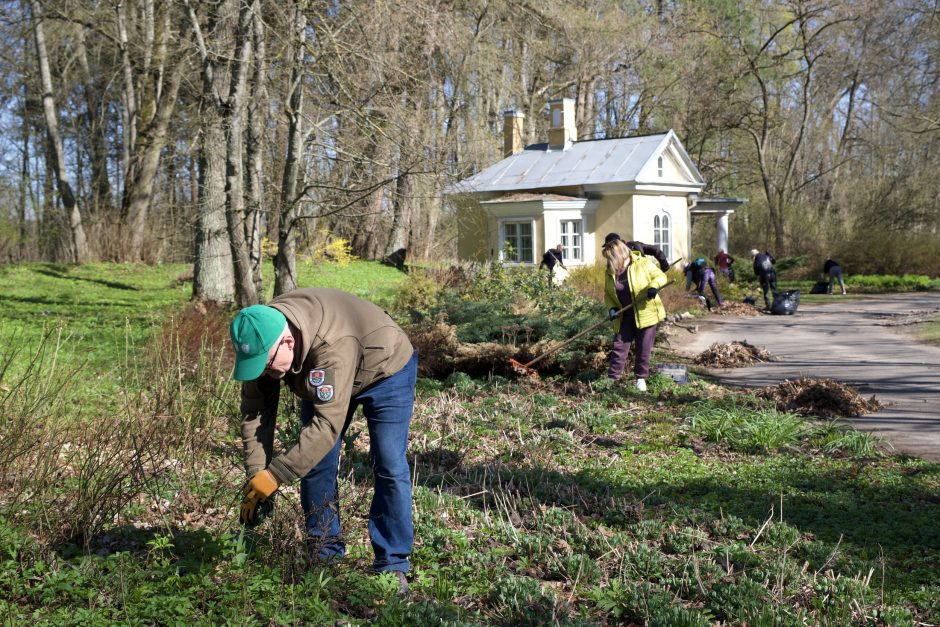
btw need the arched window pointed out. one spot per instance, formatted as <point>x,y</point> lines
<point>662,233</point>
<point>659,166</point>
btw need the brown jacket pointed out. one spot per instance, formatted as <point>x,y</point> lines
<point>347,342</point>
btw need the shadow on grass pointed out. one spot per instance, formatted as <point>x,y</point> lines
<point>832,506</point>
<point>191,550</point>
<point>59,272</point>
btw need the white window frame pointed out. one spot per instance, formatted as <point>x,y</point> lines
<point>502,241</point>
<point>662,234</point>
<point>659,166</point>
<point>564,239</point>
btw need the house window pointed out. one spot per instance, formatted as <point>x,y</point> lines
<point>517,242</point>
<point>662,234</point>
<point>572,238</point>
<point>659,166</point>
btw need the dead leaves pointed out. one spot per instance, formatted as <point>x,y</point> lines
<point>733,355</point>
<point>819,397</point>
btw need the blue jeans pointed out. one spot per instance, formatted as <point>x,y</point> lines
<point>387,406</point>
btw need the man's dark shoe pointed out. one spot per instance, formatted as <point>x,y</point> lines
<point>402,582</point>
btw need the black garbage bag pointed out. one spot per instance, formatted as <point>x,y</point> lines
<point>820,287</point>
<point>785,303</point>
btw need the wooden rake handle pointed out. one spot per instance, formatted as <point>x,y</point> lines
<point>587,330</point>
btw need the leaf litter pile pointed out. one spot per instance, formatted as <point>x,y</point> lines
<point>819,397</point>
<point>736,309</point>
<point>733,355</point>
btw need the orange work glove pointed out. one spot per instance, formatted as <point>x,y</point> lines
<point>257,492</point>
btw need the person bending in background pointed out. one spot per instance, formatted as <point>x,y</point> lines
<point>632,279</point>
<point>700,274</point>
<point>552,257</point>
<point>766,275</point>
<point>833,271</point>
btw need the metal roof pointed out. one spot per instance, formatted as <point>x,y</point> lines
<point>584,163</point>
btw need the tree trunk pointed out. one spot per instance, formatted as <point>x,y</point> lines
<point>285,262</point>
<point>397,248</point>
<point>97,144</point>
<point>129,97</point>
<point>24,183</point>
<point>255,155</point>
<point>213,277</point>
<point>150,144</point>
<point>234,122</point>
<point>78,244</point>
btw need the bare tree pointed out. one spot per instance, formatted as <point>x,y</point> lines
<point>150,112</point>
<point>79,246</point>
<point>285,261</point>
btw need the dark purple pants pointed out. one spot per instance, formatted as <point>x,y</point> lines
<point>708,278</point>
<point>620,351</point>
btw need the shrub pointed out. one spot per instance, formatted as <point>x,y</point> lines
<point>417,296</point>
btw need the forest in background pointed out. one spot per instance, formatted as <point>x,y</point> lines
<point>224,132</point>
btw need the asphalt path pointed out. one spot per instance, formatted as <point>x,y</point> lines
<point>864,342</point>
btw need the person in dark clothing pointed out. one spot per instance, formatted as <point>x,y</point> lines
<point>764,270</point>
<point>552,257</point>
<point>700,274</point>
<point>647,249</point>
<point>833,271</point>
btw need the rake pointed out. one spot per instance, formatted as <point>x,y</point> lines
<point>526,368</point>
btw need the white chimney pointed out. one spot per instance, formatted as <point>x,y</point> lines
<point>561,126</point>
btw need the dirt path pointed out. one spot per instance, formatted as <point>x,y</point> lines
<point>860,342</point>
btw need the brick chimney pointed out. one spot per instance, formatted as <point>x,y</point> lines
<point>512,132</point>
<point>561,127</point>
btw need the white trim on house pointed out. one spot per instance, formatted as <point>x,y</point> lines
<point>501,239</point>
<point>553,212</point>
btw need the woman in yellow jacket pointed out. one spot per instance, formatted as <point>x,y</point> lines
<point>632,278</point>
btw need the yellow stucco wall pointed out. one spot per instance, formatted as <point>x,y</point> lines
<point>614,215</point>
<point>474,234</point>
<point>646,207</point>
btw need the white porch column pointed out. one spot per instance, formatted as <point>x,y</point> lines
<point>722,232</point>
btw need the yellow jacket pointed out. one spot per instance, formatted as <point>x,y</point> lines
<point>642,273</point>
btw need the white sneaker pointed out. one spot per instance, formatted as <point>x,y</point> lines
<point>641,385</point>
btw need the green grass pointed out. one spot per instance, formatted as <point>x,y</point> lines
<point>108,311</point>
<point>929,332</point>
<point>535,503</point>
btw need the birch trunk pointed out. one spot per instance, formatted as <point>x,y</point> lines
<point>254,155</point>
<point>78,244</point>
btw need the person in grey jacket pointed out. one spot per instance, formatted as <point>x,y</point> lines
<point>335,352</point>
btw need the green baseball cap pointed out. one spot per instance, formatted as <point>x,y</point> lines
<point>254,331</point>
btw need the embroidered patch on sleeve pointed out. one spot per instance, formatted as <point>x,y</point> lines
<point>325,392</point>
<point>316,377</point>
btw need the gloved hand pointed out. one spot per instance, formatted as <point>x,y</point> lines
<point>651,293</point>
<point>612,313</point>
<point>255,504</point>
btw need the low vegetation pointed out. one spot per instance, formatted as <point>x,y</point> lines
<point>563,500</point>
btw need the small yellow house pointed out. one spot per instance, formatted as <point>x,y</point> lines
<point>575,192</point>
